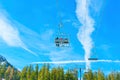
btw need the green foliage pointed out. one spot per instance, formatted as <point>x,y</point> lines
<point>24,74</point>
<point>36,72</point>
<point>99,75</point>
<point>71,75</point>
<point>2,71</point>
<point>45,73</point>
<point>88,75</point>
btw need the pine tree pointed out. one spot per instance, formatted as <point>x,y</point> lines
<point>24,73</point>
<point>111,76</point>
<point>0,72</point>
<point>61,74</point>
<point>117,76</point>
<point>95,76</point>
<point>11,74</point>
<point>29,72</point>
<point>75,73</point>
<point>53,75</point>
<point>7,73</point>
<point>3,70</point>
<point>32,76</point>
<point>36,72</point>
<point>42,73</point>
<point>101,75</point>
<point>47,73</point>
<point>16,75</point>
<point>85,76</point>
<point>58,73</point>
<point>88,75</point>
<point>69,75</point>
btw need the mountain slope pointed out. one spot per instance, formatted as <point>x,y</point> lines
<point>3,61</point>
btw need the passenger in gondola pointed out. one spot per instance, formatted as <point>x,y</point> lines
<point>66,41</point>
<point>57,40</point>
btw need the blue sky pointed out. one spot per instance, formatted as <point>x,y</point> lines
<point>28,29</point>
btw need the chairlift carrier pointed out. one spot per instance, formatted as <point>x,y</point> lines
<point>61,39</point>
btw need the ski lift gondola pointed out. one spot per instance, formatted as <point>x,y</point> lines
<point>61,40</point>
<point>92,59</point>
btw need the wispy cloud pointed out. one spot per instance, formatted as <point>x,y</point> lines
<point>47,35</point>
<point>85,31</point>
<point>9,32</point>
<point>83,13</point>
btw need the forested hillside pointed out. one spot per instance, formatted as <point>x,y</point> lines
<point>57,73</point>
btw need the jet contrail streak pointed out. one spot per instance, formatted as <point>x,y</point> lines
<point>77,61</point>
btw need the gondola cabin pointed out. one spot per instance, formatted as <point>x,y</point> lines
<point>93,59</point>
<point>61,42</point>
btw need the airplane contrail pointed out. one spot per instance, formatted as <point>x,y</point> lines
<point>77,61</point>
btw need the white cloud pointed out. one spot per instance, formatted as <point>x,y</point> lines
<point>47,35</point>
<point>84,8</point>
<point>10,34</point>
<point>85,31</point>
<point>96,5</point>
